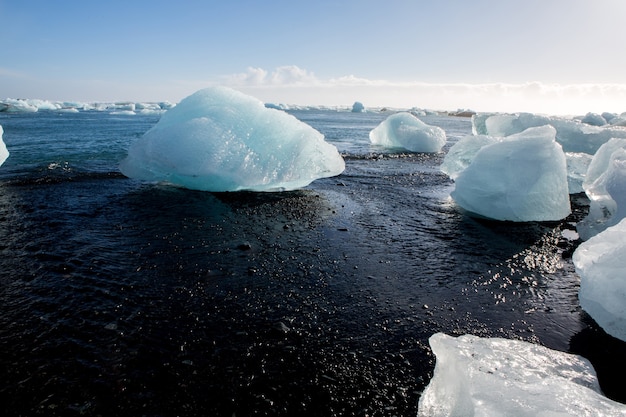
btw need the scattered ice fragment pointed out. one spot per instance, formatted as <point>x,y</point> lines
<point>601,262</point>
<point>521,178</point>
<point>219,139</point>
<point>498,377</point>
<point>4,153</point>
<point>403,130</point>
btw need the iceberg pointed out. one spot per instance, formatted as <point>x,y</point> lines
<point>605,185</point>
<point>521,178</point>
<point>601,262</point>
<point>403,130</point>
<point>573,135</point>
<point>219,139</point>
<point>4,153</point>
<point>498,377</point>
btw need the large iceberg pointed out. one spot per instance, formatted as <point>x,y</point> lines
<point>493,377</point>
<point>605,185</point>
<point>523,177</point>
<point>4,153</point>
<point>601,262</point>
<point>573,135</point>
<point>219,139</point>
<point>403,130</point>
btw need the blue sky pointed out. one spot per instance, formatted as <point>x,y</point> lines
<point>485,55</point>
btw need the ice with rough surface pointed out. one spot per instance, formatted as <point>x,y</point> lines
<point>573,135</point>
<point>577,167</point>
<point>605,186</point>
<point>4,153</point>
<point>521,178</point>
<point>462,153</point>
<point>219,139</point>
<point>601,262</point>
<point>494,377</point>
<point>403,130</point>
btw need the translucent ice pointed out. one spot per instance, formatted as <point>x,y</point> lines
<point>521,178</point>
<point>573,135</point>
<point>577,166</point>
<point>462,153</point>
<point>4,153</point>
<point>403,130</point>
<point>601,262</point>
<point>498,377</point>
<point>219,139</point>
<point>605,186</point>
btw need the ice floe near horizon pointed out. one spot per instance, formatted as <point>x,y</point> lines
<point>4,153</point>
<point>10,105</point>
<point>495,377</point>
<point>404,130</point>
<point>219,139</point>
<point>601,262</point>
<point>522,177</point>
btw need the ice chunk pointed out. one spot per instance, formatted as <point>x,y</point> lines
<point>594,119</point>
<point>522,178</point>
<point>577,167</point>
<point>358,107</point>
<point>573,135</point>
<point>601,262</point>
<point>606,188</point>
<point>219,139</point>
<point>493,377</point>
<point>4,153</point>
<point>403,130</point>
<point>462,153</point>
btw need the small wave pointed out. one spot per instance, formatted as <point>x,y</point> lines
<point>60,175</point>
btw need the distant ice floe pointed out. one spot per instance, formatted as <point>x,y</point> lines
<point>10,105</point>
<point>601,262</point>
<point>522,177</point>
<point>493,377</point>
<point>219,139</point>
<point>358,107</point>
<point>4,153</point>
<point>404,130</point>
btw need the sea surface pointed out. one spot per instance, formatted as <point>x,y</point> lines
<point>123,298</point>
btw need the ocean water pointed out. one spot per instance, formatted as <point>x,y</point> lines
<point>121,298</point>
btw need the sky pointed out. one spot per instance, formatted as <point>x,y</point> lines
<point>543,56</point>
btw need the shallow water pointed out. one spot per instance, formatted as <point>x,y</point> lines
<point>123,298</point>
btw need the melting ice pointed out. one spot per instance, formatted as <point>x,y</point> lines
<point>403,130</point>
<point>605,185</point>
<point>219,139</point>
<point>522,177</point>
<point>601,262</point>
<point>498,377</point>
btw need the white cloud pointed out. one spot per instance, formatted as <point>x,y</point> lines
<point>294,85</point>
<point>281,76</point>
